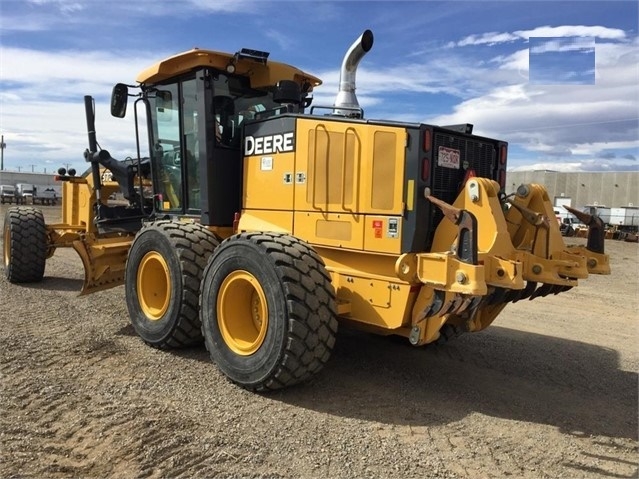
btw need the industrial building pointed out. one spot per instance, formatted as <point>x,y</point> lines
<point>611,189</point>
<point>38,179</point>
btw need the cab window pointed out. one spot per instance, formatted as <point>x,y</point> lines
<point>234,102</point>
<point>167,158</point>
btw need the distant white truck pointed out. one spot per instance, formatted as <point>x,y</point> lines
<point>24,193</point>
<point>44,195</point>
<point>624,218</point>
<point>570,224</point>
<point>7,194</point>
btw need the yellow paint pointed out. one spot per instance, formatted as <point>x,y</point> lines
<point>443,270</point>
<point>410,195</point>
<point>368,289</point>
<point>104,261</point>
<point>384,182</point>
<point>596,263</point>
<point>242,313</point>
<point>332,229</point>
<point>258,220</point>
<point>350,167</point>
<point>6,246</point>
<point>153,285</point>
<point>377,237</point>
<point>331,160</point>
<point>373,301</point>
<point>265,185</point>
<point>261,75</point>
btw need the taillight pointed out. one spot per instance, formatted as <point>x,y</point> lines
<point>425,169</point>
<point>502,179</point>
<point>428,140</point>
<point>503,155</point>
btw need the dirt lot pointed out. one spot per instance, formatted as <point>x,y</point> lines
<point>549,391</point>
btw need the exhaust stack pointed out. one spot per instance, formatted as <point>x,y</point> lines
<point>346,95</point>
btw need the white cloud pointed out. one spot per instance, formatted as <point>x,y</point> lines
<point>55,133</point>
<point>43,119</point>
<point>229,6</point>
<point>490,38</point>
<point>281,39</point>
<point>494,38</point>
<point>568,44</point>
<point>563,122</point>
<point>574,31</point>
<point>44,76</point>
<point>56,15</point>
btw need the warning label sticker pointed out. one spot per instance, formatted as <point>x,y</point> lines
<point>378,226</point>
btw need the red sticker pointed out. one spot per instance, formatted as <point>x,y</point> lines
<point>378,224</point>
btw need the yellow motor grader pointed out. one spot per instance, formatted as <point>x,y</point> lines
<point>257,222</point>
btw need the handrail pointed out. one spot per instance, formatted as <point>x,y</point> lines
<point>357,158</point>
<point>319,125</point>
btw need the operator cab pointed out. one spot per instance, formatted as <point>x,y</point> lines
<point>196,146</point>
<point>197,104</point>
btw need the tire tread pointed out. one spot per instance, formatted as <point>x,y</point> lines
<point>310,299</point>
<point>193,244</point>
<point>28,247</point>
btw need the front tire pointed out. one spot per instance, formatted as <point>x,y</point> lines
<point>267,310</point>
<point>163,276</point>
<point>24,245</point>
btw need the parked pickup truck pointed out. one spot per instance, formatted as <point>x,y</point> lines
<point>7,194</point>
<point>24,193</point>
<point>570,225</point>
<point>44,195</point>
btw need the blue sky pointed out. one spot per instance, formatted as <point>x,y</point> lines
<point>558,80</point>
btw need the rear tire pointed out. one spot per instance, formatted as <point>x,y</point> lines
<point>162,283</point>
<point>24,245</point>
<point>267,310</point>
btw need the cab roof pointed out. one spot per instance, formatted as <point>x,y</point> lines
<point>261,74</point>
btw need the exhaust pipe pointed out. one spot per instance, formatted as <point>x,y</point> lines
<point>346,95</point>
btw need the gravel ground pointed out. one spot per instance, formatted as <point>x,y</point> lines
<point>550,390</point>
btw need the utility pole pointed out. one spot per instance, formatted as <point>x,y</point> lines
<point>32,168</point>
<point>3,145</point>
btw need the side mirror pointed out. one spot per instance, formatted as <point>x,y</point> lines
<point>119,99</point>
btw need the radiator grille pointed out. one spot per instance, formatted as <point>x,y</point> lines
<point>474,154</point>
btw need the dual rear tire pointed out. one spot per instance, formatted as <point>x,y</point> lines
<point>267,310</point>
<point>263,302</point>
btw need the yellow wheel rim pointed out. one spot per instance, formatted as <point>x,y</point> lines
<point>242,313</point>
<point>6,250</point>
<point>153,285</point>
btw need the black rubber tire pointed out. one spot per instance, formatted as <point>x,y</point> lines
<point>185,248</point>
<point>24,245</point>
<point>302,319</point>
